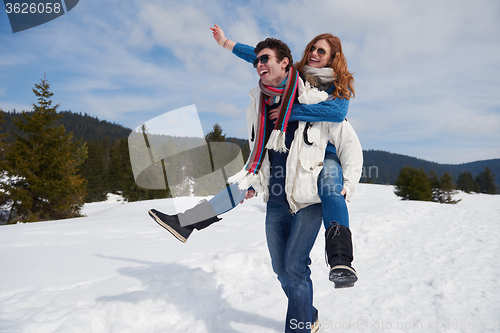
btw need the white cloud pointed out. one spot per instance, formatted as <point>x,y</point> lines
<point>181,29</point>
<point>220,108</point>
<point>473,124</point>
<point>13,60</point>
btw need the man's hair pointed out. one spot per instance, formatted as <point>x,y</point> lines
<point>282,50</point>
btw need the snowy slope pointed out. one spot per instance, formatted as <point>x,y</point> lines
<point>423,267</point>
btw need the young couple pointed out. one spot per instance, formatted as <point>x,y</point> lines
<point>305,159</point>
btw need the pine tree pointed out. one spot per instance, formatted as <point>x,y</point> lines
<point>435,185</point>
<point>403,183</point>
<point>486,182</point>
<point>413,184</point>
<point>42,164</point>
<point>94,171</point>
<point>4,198</point>
<point>118,176</point>
<point>422,186</point>
<point>216,134</point>
<point>121,178</point>
<point>446,190</point>
<point>222,154</point>
<point>466,183</point>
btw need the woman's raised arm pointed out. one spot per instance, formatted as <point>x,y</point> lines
<point>333,110</point>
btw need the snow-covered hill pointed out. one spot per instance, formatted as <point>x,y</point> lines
<point>423,267</point>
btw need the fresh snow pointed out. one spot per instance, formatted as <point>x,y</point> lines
<point>423,267</point>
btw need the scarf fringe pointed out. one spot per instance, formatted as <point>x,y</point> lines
<point>244,179</point>
<point>277,141</point>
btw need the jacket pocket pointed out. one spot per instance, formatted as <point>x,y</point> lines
<point>306,180</point>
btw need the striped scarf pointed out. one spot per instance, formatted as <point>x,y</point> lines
<point>276,140</point>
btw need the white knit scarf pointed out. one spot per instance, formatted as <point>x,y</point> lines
<point>321,78</point>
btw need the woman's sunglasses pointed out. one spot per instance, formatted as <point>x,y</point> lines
<point>263,60</point>
<point>321,51</point>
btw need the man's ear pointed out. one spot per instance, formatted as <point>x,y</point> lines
<point>285,62</point>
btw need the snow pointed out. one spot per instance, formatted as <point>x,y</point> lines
<point>423,267</point>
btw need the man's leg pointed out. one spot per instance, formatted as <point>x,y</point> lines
<point>278,222</point>
<point>304,230</point>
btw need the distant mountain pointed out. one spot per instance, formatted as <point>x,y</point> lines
<point>380,167</point>
<point>82,126</point>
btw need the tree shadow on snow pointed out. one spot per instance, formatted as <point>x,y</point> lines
<point>194,293</point>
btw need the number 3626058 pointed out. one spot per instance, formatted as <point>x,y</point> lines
<point>33,8</point>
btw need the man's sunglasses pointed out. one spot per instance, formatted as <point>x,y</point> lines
<point>321,51</point>
<point>263,59</point>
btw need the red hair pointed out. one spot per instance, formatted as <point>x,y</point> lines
<point>344,84</point>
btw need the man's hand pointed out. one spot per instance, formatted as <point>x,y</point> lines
<point>249,195</point>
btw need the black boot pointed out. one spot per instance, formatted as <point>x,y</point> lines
<point>205,223</point>
<point>171,223</point>
<point>338,241</point>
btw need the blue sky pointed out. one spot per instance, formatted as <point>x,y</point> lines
<point>427,72</point>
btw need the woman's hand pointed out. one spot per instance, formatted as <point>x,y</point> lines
<point>218,34</point>
<point>221,39</point>
<point>250,194</point>
<point>274,114</point>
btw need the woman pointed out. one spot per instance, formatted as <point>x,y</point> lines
<point>323,66</point>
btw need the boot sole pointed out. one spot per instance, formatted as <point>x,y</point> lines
<point>343,276</point>
<point>315,327</point>
<point>167,227</point>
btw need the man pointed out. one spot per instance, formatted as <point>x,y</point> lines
<point>290,237</point>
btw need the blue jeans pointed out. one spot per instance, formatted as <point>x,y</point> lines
<point>290,238</point>
<point>330,184</point>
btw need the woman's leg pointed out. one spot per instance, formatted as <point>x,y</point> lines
<point>202,215</point>
<point>221,203</point>
<point>338,238</point>
<point>227,199</point>
<point>330,184</point>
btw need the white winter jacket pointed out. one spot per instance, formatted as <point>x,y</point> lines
<point>305,160</point>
